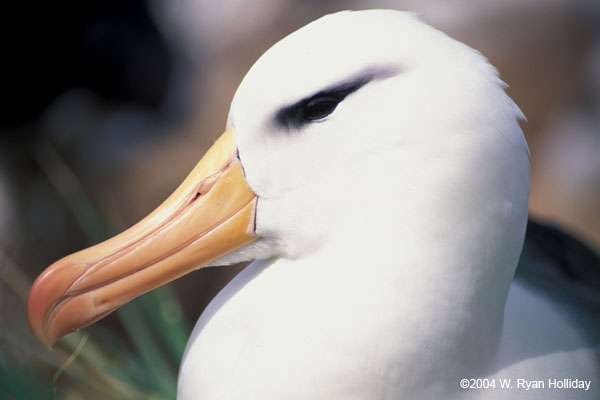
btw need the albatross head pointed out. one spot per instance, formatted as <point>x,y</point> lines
<point>369,130</point>
<point>362,116</point>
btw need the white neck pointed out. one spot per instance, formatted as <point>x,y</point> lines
<point>435,250</point>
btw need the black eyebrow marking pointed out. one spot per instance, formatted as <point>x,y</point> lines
<point>294,116</point>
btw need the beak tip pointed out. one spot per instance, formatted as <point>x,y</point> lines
<point>41,298</point>
<point>52,313</point>
<point>35,316</point>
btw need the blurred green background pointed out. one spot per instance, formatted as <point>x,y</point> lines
<point>108,104</point>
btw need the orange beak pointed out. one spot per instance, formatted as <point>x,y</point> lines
<point>210,214</point>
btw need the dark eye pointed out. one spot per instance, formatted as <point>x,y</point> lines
<point>320,107</point>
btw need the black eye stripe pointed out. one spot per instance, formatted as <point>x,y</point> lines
<point>319,105</point>
<point>322,99</point>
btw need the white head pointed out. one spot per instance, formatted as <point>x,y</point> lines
<point>366,111</point>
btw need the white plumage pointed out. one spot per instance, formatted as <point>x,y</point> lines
<point>391,230</point>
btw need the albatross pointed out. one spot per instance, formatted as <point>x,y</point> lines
<point>375,170</point>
